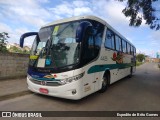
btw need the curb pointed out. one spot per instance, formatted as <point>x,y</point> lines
<point>11,78</point>
<point>14,95</point>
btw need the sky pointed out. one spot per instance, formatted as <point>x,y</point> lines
<point>21,16</point>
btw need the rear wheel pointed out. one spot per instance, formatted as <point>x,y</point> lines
<point>105,83</point>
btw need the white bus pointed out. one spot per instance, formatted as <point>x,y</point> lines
<point>75,57</point>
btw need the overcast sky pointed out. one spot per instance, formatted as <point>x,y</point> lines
<point>20,16</point>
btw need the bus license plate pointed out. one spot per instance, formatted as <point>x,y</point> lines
<point>43,90</point>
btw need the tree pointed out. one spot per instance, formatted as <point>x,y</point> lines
<point>140,57</point>
<point>15,49</point>
<point>26,52</point>
<point>3,40</point>
<point>137,10</point>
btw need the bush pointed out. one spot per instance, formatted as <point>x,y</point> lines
<point>140,57</point>
<point>138,63</point>
<point>3,40</point>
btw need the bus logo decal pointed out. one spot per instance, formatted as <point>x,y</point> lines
<point>49,76</point>
<point>118,57</point>
<point>43,82</point>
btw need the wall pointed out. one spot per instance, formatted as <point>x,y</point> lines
<point>156,60</point>
<point>13,65</point>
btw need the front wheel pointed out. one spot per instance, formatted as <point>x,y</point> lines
<point>105,83</point>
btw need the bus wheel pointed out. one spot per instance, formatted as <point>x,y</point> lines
<point>105,83</point>
<point>131,72</point>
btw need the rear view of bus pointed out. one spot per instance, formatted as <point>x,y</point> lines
<point>63,57</point>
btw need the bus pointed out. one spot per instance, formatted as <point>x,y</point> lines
<point>75,57</point>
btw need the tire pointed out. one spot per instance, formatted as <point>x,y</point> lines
<point>105,83</point>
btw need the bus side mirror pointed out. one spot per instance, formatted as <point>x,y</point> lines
<point>81,29</point>
<point>26,35</point>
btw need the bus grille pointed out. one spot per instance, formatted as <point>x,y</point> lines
<point>45,83</point>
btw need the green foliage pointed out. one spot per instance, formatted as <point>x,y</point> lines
<point>141,9</point>
<point>140,57</point>
<point>138,63</point>
<point>26,52</point>
<point>3,40</point>
<point>15,49</point>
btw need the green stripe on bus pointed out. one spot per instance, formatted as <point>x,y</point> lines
<point>99,68</point>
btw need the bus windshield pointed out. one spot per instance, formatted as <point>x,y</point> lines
<point>56,46</point>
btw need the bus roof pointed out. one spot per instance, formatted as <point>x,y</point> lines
<point>91,17</point>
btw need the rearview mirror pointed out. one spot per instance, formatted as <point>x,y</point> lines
<point>26,35</point>
<point>81,29</point>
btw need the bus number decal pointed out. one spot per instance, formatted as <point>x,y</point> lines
<point>104,58</point>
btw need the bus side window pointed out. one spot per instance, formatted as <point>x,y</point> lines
<point>132,53</point>
<point>109,41</point>
<point>118,43</point>
<point>124,46</point>
<point>128,48</point>
<point>133,50</point>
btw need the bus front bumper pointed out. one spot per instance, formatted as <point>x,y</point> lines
<point>68,91</point>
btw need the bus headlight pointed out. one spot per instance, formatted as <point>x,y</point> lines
<point>71,79</point>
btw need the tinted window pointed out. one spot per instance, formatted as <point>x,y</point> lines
<point>131,50</point>
<point>128,48</point>
<point>109,42</point>
<point>134,51</point>
<point>124,46</point>
<point>118,43</point>
<point>92,42</point>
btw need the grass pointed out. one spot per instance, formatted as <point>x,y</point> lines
<point>138,63</point>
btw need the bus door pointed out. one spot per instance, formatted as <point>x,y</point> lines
<point>91,82</point>
<point>88,85</point>
<point>92,48</point>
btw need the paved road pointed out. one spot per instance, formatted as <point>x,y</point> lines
<point>139,93</point>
